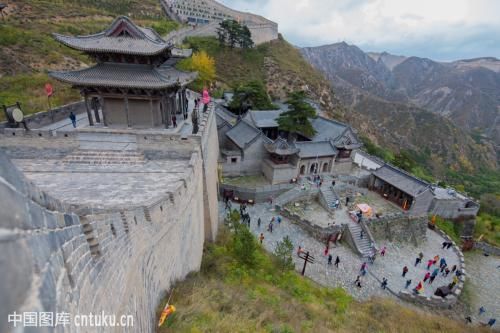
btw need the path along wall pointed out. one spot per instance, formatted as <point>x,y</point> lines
<point>118,262</point>
<point>59,258</point>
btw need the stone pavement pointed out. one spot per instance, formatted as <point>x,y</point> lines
<point>105,186</point>
<point>484,274</point>
<point>389,266</point>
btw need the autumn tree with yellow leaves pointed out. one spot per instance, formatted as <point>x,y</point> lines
<point>202,63</point>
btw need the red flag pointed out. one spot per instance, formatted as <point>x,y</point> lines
<point>48,89</point>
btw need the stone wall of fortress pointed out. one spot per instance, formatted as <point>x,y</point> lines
<point>61,258</point>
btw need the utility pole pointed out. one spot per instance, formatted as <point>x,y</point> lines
<point>307,259</point>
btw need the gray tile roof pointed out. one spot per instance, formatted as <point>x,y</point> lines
<point>310,149</point>
<point>126,76</point>
<point>143,41</point>
<point>401,180</point>
<point>242,134</point>
<point>281,147</point>
<point>263,119</point>
<point>327,129</point>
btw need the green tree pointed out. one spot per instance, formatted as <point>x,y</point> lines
<point>244,245</point>
<point>297,119</point>
<point>251,95</point>
<point>232,33</point>
<point>404,161</point>
<point>283,252</point>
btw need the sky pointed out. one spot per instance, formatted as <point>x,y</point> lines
<point>442,30</point>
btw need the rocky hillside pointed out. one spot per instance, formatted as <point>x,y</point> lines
<point>467,92</point>
<point>413,103</point>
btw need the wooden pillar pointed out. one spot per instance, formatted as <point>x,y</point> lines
<point>162,109</point>
<point>89,114</point>
<point>152,112</point>
<point>168,111</point>
<point>126,110</point>
<point>103,108</point>
<point>96,112</point>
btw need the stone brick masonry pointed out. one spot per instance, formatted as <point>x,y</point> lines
<point>64,256</point>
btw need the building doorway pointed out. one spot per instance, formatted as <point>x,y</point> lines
<point>326,166</point>
<point>302,169</point>
<point>314,168</point>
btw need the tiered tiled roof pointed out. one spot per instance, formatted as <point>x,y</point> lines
<point>123,37</point>
<point>126,76</point>
<point>281,147</point>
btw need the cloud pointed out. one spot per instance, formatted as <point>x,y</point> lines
<point>437,29</point>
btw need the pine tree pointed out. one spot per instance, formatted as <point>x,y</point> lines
<point>283,252</point>
<point>297,119</point>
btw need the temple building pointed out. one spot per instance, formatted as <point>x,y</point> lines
<point>133,81</point>
<point>256,145</point>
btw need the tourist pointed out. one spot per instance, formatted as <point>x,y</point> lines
<point>442,262</point>
<point>258,223</point>
<point>333,183</point>
<point>492,322</point>
<point>419,289</point>
<point>417,261</point>
<point>358,282</point>
<point>337,261</point>
<point>405,270</point>
<point>429,264</point>
<point>299,250</point>
<point>174,121</point>
<point>72,117</point>
<point>427,276</point>
<point>279,220</point>
<point>436,258</point>
<point>326,250</point>
<point>449,245</point>
<point>248,220</point>
<point>382,252</point>
<point>444,245</point>
<point>270,227</point>
<point>408,282</point>
<point>347,201</point>
<point>443,268</point>
<point>361,233</point>
<point>468,319</point>
<point>446,272</point>
<point>435,272</point>
<point>330,258</point>
<point>384,283</point>
<point>228,205</point>
<point>482,310</point>
<point>454,268</point>
<point>261,237</point>
<point>363,266</point>
<point>360,216</point>
<point>432,279</point>
<point>458,273</point>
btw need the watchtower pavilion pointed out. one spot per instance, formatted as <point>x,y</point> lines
<point>133,79</point>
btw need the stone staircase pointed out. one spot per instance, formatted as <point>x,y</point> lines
<point>329,196</point>
<point>363,245</point>
<point>104,157</point>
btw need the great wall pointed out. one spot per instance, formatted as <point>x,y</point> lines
<point>66,251</point>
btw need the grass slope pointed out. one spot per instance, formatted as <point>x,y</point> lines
<point>28,50</point>
<point>226,296</point>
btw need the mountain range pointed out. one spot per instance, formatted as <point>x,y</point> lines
<point>465,92</point>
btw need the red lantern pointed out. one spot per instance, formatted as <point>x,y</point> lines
<point>48,89</point>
